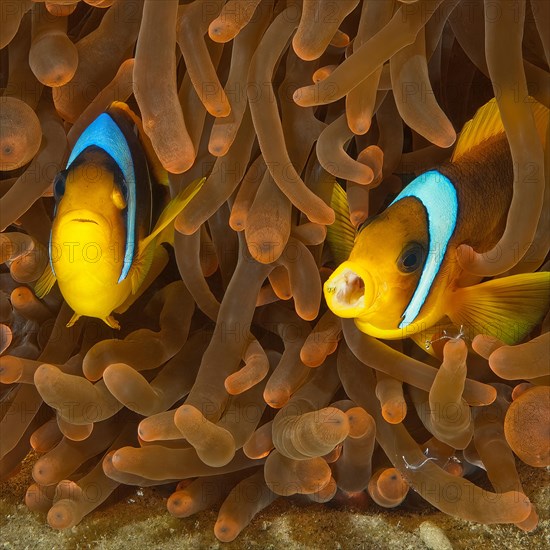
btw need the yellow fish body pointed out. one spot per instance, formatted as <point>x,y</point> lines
<point>402,276</point>
<point>107,229</point>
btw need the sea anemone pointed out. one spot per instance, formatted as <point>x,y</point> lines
<point>229,377</point>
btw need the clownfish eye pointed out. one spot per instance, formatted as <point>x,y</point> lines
<point>118,198</point>
<point>411,258</point>
<point>59,185</point>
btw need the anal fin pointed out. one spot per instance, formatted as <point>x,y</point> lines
<point>507,308</point>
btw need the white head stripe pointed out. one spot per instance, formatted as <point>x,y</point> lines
<point>438,195</point>
<point>104,133</point>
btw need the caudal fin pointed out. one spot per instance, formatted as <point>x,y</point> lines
<point>507,308</point>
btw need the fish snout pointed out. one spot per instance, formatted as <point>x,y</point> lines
<point>349,291</point>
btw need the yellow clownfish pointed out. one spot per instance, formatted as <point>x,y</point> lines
<point>401,275</point>
<point>105,243</point>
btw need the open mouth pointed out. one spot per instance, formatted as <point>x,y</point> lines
<point>350,290</point>
<point>346,293</point>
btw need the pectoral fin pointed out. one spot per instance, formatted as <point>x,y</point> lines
<point>341,234</point>
<point>507,308</point>
<point>172,209</point>
<point>45,283</point>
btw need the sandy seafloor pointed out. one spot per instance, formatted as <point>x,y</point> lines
<point>137,518</point>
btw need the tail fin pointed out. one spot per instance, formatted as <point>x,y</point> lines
<point>508,308</point>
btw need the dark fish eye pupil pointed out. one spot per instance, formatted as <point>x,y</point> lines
<point>411,259</point>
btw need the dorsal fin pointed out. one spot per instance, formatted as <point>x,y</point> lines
<point>341,234</point>
<point>487,123</point>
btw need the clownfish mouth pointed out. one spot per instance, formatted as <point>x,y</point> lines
<point>81,216</point>
<point>84,220</point>
<point>350,290</point>
<point>347,293</point>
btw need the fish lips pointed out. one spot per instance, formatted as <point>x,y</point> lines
<point>86,220</point>
<point>82,226</point>
<point>350,291</point>
<point>84,216</point>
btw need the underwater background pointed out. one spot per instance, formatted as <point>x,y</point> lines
<point>218,401</point>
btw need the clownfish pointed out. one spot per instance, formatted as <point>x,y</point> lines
<point>105,242</point>
<point>399,275</point>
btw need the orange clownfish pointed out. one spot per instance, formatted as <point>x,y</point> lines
<point>399,275</point>
<point>109,221</point>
